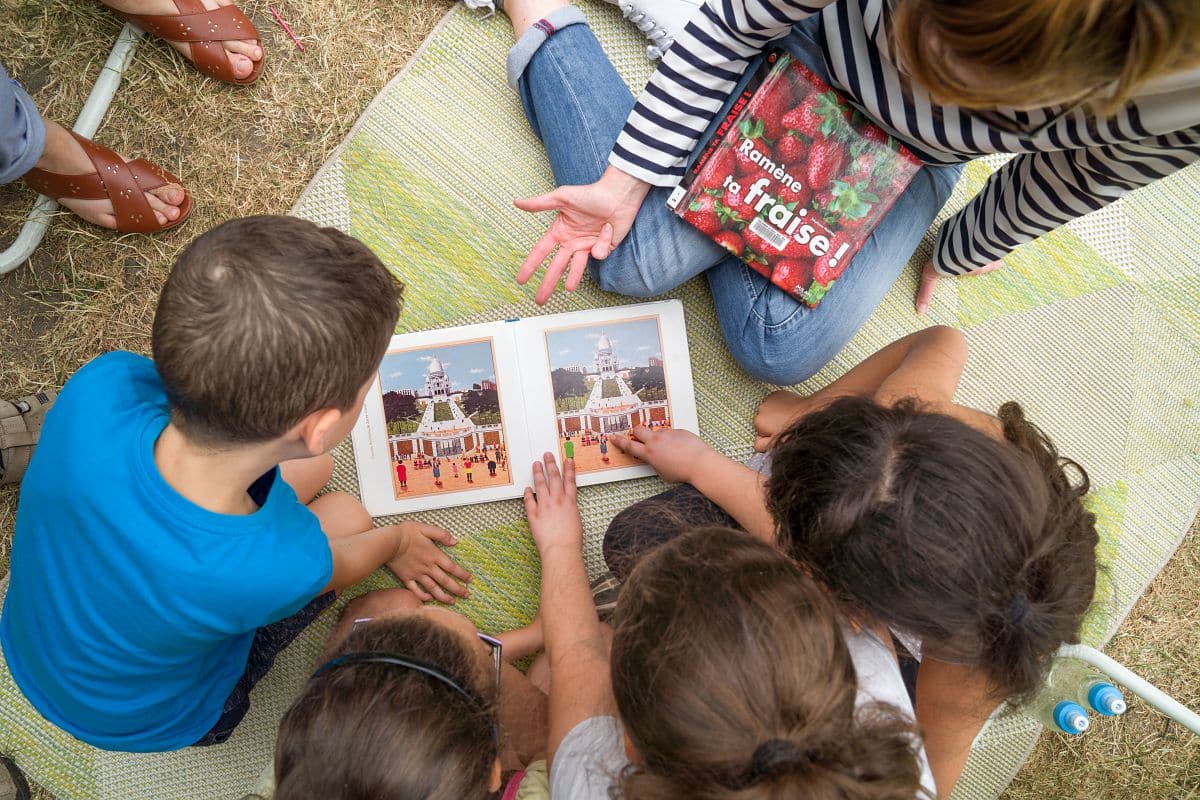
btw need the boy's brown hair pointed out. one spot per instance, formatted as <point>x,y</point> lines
<point>1039,51</point>
<point>980,548</point>
<point>264,320</point>
<point>369,730</point>
<point>733,680</point>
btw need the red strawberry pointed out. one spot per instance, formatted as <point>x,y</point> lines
<point>730,241</point>
<point>819,116</point>
<point>702,213</point>
<point>825,272</point>
<point>853,201</point>
<point>789,148</point>
<point>754,131</point>
<point>866,162</point>
<point>769,110</point>
<point>794,250</point>
<point>757,244</point>
<point>737,206</point>
<point>825,162</point>
<point>874,133</point>
<point>792,275</point>
<point>804,118</point>
<point>800,197</point>
<point>719,167</point>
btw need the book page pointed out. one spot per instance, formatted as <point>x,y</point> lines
<point>443,423</point>
<point>590,374</point>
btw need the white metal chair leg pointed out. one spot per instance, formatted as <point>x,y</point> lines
<point>89,120</point>
<point>1131,681</point>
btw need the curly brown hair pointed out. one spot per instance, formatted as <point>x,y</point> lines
<point>980,547</point>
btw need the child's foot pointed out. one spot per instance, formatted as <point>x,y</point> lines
<point>242,54</point>
<point>776,413</point>
<point>63,155</point>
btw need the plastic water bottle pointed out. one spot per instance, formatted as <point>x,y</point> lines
<point>1066,716</point>
<point>1088,687</point>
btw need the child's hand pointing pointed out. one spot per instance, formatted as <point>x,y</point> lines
<point>674,454</point>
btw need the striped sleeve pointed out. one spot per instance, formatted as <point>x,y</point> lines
<point>694,79</point>
<point>1035,193</point>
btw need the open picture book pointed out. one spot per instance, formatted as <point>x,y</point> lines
<point>458,415</point>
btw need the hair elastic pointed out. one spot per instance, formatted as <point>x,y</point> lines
<point>1018,608</point>
<point>423,667</point>
<point>771,758</point>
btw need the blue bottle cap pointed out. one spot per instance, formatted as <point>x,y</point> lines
<point>1070,717</point>
<point>1106,699</point>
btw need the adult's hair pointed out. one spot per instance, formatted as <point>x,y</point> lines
<point>733,680</point>
<point>1032,52</point>
<point>979,547</point>
<point>365,731</point>
<point>264,320</point>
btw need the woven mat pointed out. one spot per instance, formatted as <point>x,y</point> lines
<point>1095,328</point>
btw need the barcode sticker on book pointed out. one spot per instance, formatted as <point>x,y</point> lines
<point>775,238</point>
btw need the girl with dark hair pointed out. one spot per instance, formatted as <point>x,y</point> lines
<point>730,675</point>
<point>412,703</point>
<point>961,532</point>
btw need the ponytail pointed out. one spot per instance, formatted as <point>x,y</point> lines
<point>733,680</point>
<point>979,547</point>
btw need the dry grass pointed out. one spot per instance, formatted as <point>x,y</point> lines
<point>1143,755</point>
<point>246,151</point>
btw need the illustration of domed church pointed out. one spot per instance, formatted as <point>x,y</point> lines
<point>611,407</point>
<point>444,430</point>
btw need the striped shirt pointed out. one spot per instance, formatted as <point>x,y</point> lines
<point>1070,163</point>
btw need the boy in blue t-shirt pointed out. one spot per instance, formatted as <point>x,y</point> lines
<point>167,542</point>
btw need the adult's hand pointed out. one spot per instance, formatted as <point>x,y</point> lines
<point>591,221</point>
<point>552,506</point>
<point>930,276</point>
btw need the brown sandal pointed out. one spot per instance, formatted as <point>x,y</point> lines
<point>20,425</point>
<point>124,184</point>
<point>204,30</point>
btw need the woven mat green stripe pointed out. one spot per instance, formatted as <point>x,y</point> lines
<point>1094,328</point>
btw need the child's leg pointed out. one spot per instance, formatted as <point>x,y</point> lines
<point>577,104</point>
<point>268,642</point>
<point>654,521</point>
<point>307,476</point>
<point>925,365</point>
<point>341,515</point>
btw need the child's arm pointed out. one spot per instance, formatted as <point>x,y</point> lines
<point>682,457</point>
<point>521,642</point>
<point>926,365</point>
<point>409,551</point>
<point>953,703</point>
<point>575,642</point>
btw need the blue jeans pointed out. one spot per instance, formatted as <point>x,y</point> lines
<point>577,104</point>
<point>22,134</point>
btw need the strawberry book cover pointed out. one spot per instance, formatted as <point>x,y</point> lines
<point>794,179</point>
